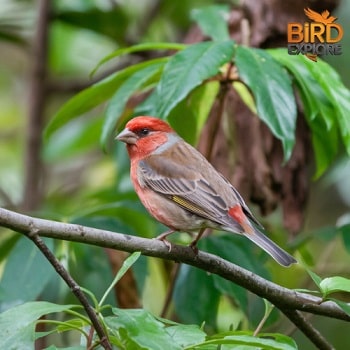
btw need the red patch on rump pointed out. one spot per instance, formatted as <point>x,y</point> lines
<point>236,213</point>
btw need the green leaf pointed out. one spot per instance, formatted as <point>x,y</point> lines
<point>334,284</point>
<point>245,95</point>
<point>188,69</point>
<point>94,96</point>
<point>213,21</point>
<point>78,347</point>
<point>196,108</point>
<point>317,279</point>
<point>273,93</point>
<point>138,48</point>
<point>118,101</point>
<point>195,297</point>
<point>345,232</point>
<point>337,94</point>
<point>270,341</point>
<point>325,143</point>
<point>141,328</point>
<point>318,107</point>
<point>125,267</point>
<point>17,325</point>
<point>185,335</point>
<point>31,277</point>
<point>343,305</point>
<point>185,127</point>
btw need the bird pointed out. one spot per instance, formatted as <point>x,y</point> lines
<point>182,190</point>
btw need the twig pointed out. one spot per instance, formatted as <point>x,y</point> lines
<point>263,320</point>
<point>75,288</point>
<point>169,293</point>
<point>38,93</point>
<point>224,86</point>
<point>309,331</point>
<point>283,298</point>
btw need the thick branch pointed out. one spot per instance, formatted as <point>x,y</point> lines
<point>282,297</point>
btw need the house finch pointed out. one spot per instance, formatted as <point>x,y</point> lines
<point>182,190</point>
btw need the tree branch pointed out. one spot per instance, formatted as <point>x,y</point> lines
<point>38,93</point>
<point>284,299</point>
<point>313,334</point>
<point>75,288</point>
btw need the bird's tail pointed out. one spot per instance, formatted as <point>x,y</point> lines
<point>271,248</point>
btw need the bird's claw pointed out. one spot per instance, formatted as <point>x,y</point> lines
<point>165,241</point>
<point>193,246</point>
<point>162,237</point>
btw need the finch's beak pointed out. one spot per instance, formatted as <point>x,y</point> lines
<point>127,136</point>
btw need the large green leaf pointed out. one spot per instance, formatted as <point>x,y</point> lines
<point>318,108</point>
<point>213,21</point>
<point>17,325</point>
<point>195,297</point>
<point>185,335</point>
<point>273,93</point>
<point>334,284</point>
<point>337,93</point>
<point>118,101</point>
<point>268,341</point>
<point>139,329</point>
<point>26,273</point>
<point>188,69</point>
<point>94,96</point>
<point>196,107</point>
<point>325,143</point>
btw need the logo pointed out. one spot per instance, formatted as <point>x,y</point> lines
<point>319,37</point>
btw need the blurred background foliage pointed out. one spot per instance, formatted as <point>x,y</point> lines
<point>83,184</point>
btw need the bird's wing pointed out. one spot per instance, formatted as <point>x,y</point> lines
<point>192,183</point>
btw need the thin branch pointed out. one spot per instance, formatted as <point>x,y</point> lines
<point>284,299</point>
<point>75,288</point>
<point>169,293</point>
<point>221,98</point>
<point>310,332</point>
<point>38,93</point>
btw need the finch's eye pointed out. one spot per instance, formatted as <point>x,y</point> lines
<point>144,132</point>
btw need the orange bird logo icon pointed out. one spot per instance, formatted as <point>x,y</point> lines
<point>320,17</point>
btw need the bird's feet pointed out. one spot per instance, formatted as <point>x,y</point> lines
<point>193,244</point>
<point>162,237</point>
